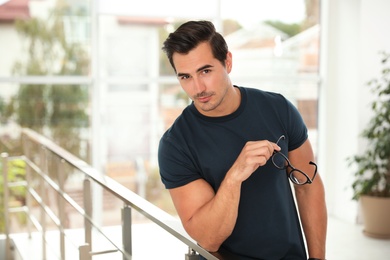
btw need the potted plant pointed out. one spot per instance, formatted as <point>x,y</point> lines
<point>372,176</point>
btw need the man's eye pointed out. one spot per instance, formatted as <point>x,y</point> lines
<point>206,71</point>
<point>184,77</point>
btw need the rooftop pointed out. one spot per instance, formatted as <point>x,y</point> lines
<point>14,9</point>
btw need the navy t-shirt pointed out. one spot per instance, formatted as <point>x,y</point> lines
<point>197,146</point>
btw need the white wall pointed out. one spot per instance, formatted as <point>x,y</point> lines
<point>353,33</point>
<point>9,49</point>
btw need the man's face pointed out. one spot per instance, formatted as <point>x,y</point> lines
<point>205,80</point>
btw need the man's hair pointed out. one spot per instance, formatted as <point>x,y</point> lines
<point>189,35</point>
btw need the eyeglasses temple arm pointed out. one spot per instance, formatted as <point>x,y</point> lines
<point>315,171</point>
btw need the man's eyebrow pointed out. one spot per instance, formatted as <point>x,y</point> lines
<point>182,74</point>
<point>198,70</point>
<point>204,67</point>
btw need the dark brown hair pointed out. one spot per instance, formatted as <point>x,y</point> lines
<point>190,34</point>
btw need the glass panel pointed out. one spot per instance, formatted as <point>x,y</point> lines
<point>60,112</point>
<point>9,129</point>
<point>46,38</point>
<point>127,48</point>
<point>129,122</point>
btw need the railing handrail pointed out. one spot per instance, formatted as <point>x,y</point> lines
<point>152,212</point>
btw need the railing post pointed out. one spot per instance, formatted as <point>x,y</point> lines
<point>4,157</point>
<point>126,232</point>
<point>28,199</point>
<point>84,252</point>
<point>26,148</point>
<point>61,205</point>
<point>42,185</point>
<point>88,211</point>
<point>191,255</point>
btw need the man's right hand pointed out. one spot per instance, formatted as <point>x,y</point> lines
<point>252,156</point>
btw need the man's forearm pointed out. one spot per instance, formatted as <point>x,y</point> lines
<point>215,221</point>
<point>313,214</point>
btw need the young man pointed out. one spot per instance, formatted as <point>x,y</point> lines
<point>227,158</point>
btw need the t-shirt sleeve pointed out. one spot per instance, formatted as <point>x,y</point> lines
<point>297,129</point>
<point>176,167</point>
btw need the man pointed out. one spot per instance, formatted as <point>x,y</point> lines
<point>225,170</point>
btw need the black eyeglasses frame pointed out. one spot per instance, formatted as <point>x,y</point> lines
<point>293,169</point>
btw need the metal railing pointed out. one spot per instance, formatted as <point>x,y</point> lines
<point>44,159</point>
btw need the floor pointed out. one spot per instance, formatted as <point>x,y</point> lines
<point>345,241</point>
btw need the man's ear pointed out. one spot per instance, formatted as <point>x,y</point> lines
<point>229,62</point>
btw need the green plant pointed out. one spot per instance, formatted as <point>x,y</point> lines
<point>372,176</point>
<point>17,195</point>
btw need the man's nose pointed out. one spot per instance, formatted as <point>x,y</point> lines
<point>199,85</point>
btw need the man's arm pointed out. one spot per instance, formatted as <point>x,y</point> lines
<point>210,217</point>
<point>311,202</point>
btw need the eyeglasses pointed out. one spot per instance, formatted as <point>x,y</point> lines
<point>297,176</point>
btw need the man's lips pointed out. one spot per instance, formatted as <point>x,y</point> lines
<point>204,99</point>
